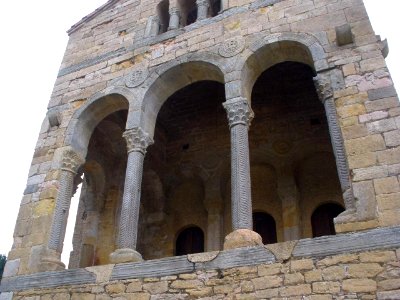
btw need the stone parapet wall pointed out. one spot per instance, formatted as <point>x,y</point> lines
<point>338,267</point>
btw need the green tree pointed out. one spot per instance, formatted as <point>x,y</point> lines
<point>3,260</point>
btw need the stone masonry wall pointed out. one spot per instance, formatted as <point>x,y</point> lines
<point>107,48</point>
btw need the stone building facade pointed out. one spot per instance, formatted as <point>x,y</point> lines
<point>227,149</point>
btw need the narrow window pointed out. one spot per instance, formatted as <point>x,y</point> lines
<point>190,240</point>
<point>264,224</point>
<point>322,219</point>
<point>163,16</point>
<point>188,10</point>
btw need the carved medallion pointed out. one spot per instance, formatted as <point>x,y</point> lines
<point>231,47</point>
<point>136,77</point>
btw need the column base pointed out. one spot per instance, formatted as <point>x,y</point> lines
<point>51,261</point>
<point>242,238</point>
<point>125,255</point>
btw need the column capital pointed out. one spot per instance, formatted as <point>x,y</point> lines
<point>239,111</point>
<point>323,86</point>
<point>71,161</point>
<point>137,140</point>
<point>174,11</point>
<point>202,3</point>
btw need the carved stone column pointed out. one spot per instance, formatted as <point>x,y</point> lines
<point>71,162</point>
<point>202,9</point>
<point>173,18</point>
<point>137,142</point>
<point>239,117</point>
<point>325,94</point>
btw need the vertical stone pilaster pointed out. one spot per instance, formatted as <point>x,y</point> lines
<point>239,117</point>
<point>174,15</point>
<point>202,9</point>
<point>70,164</point>
<point>325,94</point>
<point>137,143</point>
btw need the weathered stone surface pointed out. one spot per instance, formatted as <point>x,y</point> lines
<point>359,285</point>
<point>242,238</point>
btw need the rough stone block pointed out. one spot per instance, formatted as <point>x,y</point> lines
<point>389,157</point>
<point>365,144</point>
<point>388,201</point>
<point>267,282</point>
<point>302,264</point>
<point>296,290</point>
<point>386,185</point>
<point>385,92</point>
<point>11,268</point>
<point>392,138</point>
<point>329,287</point>
<point>344,35</point>
<point>381,126</point>
<point>359,285</point>
<point>364,270</point>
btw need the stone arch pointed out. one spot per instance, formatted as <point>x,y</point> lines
<point>189,239</point>
<point>167,80</point>
<point>265,52</point>
<point>95,109</point>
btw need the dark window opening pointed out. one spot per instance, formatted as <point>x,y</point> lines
<point>215,7</point>
<point>163,16</point>
<point>190,240</point>
<point>322,219</point>
<point>264,224</point>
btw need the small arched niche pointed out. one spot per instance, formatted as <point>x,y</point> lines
<point>322,219</point>
<point>190,240</point>
<point>264,224</point>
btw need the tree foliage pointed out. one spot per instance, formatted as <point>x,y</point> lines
<point>3,260</point>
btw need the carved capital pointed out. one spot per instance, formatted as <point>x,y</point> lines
<point>174,11</point>
<point>137,140</point>
<point>323,87</point>
<point>71,161</point>
<point>239,112</point>
<point>202,3</point>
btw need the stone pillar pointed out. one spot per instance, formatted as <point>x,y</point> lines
<point>202,9</point>
<point>287,191</point>
<point>173,18</point>
<point>155,26</point>
<point>325,94</point>
<point>214,206</point>
<point>239,117</point>
<point>71,162</point>
<point>137,143</point>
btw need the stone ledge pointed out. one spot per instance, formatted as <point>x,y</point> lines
<point>375,239</point>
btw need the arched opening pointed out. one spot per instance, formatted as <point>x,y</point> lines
<point>190,137</point>
<point>188,9</point>
<point>189,241</point>
<point>322,219</point>
<point>96,223</point>
<point>290,124</point>
<point>163,16</point>
<point>264,224</point>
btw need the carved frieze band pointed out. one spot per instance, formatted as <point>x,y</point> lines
<point>137,140</point>
<point>239,112</point>
<point>231,47</point>
<point>71,161</point>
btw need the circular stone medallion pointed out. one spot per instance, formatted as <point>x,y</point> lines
<point>231,47</point>
<point>136,77</point>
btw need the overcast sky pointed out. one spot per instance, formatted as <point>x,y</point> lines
<point>34,38</point>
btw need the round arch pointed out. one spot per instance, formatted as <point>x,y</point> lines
<point>271,50</point>
<point>171,80</point>
<point>87,117</point>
